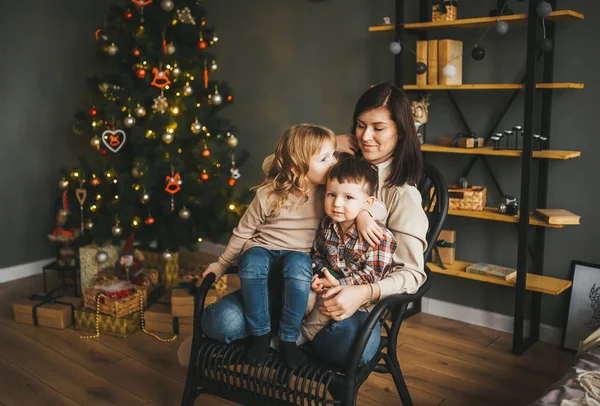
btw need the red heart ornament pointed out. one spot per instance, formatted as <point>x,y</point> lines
<point>114,139</point>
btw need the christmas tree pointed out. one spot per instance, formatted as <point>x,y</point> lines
<point>162,162</point>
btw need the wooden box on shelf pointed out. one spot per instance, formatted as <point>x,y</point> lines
<point>470,198</point>
<point>461,142</point>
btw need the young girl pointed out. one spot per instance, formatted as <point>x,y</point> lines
<point>278,229</point>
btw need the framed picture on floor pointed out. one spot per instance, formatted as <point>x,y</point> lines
<point>583,316</point>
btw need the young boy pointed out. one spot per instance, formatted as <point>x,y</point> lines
<point>338,256</point>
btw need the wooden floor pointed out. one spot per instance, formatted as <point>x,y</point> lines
<point>445,363</point>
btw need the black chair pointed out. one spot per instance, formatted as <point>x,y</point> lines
<point>219,369</point>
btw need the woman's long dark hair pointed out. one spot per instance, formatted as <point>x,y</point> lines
<point>407,165</point>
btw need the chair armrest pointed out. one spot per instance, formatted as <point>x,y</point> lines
<point>199,298</point>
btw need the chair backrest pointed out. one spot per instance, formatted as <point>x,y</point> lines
<point>434,192</point>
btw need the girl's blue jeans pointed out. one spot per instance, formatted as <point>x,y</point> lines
<point>255,266</point>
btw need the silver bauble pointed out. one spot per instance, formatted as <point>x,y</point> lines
<point>217,99</point>
<point>89,225</point>
<point>95,141</point>
<point>213,66</point>
<point>167,255</point>
<point>63,184</point>
<point>129,121</point>
<point>145,198</point>
<point>140,111</point>
<point>167,138</point>
<point>176,71</point>
<point>232,141</point>
<point>171,49</point>
<point>184,213</point>
<point>117,231</point>
<point>167,5</point>
<point>188,90</point>
<point>112,49</point>
<point>196,127</point>
<point>101,257</point>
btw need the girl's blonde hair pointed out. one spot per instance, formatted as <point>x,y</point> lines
<point>287,173</point>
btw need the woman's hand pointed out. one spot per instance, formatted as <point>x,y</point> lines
<point>214,269</point>
<point>341,302</point>
<point>368,229</point>
<point>346,143</point>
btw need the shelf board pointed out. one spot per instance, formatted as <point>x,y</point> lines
<point>491,213</point>
<point>535,283</point>
<point>545,154</point>
<point>481,22</point>
<point>493,86</point>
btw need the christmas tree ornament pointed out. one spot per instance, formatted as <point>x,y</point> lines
<point>136,221</point>
<point>114,139</point>
<point>103,87</point>
<point>63,184</point>
<point>421,68</point>
<point>217,99</point>
<point>449,70</point>
<point>543,9</point>
<point>112,49</point>
<point>196,127</point>
<point>149,220</point>
<point>235,173</point>
<point>213,66</point>
<point>202,44</point>
<point>95,181</point>
<point>502,27</point>
<point>136,52</point>
<point>135,172</point>
<point>204,176</point>
<point>184,213</point>
<point>140,111</point>
<point>95,141</point>
<point>171,49</point>
<point>173,186</point>
<point>188,90</point>
<point>117,230</point>
<point>101,257</point>
<point>205,151</point>
<point>214,38</point>
<point>93,112</point>
<point>167,5</point>
<point>145,198</point>
<point>232,140</point>
<point>167,255</point>
<point>81,195</point>
<point>89,225</point>
<point>185,16</point>
<point>205,74</point>
<point>161,78</point>
<point>128,15</point>
<point>140,73</point>
<point>176,71</point>
<point>160,104</point>
<point>395,47</point>
<point>478,53</point>
<point>545,45</point>
<point>129,121</point>
<point>167,138</point>
<point>141,3</point>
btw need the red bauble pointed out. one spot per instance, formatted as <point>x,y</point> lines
<point>204,176</point>
<point>93,112</point>
<point>141,73</point>
<point>229,98</point>
<point>128,15</point>
<point>231,182</point>
<point>206,153</point>
<point>202,44</point>
<point>149,220</point>
<point>136,52</point>
<point>95,181</point>
<point>102,151</point>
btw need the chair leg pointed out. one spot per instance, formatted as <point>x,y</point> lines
<point>400,384</point>
<point>190,392</point>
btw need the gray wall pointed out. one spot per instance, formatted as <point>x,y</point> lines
<point>300,61</point>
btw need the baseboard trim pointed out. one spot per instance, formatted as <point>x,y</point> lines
<point>496,321</point>
<point>12,273</point>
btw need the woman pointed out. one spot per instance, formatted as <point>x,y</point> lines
<point>383,131</point>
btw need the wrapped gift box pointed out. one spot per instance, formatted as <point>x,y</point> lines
<point>53,314</point>
<point>158,319</point>
<point>446,247</point>
<point>89,267</point>
<point>85,319</point>
<point>167,268</point>
<point>182,298</point>
<point>463,142</point>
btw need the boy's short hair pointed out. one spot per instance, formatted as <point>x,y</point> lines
<point>351,169</point>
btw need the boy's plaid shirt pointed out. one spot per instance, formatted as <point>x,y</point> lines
<point>357,261</point>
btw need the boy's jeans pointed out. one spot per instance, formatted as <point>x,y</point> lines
<point>254,267</point>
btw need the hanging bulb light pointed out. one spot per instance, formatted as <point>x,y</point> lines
<point>395,47</point>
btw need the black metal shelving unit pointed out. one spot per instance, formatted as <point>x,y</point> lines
<point>529,260</point>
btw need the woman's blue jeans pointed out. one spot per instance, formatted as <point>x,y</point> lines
<point>224,321</point>
<point>255,266</point>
